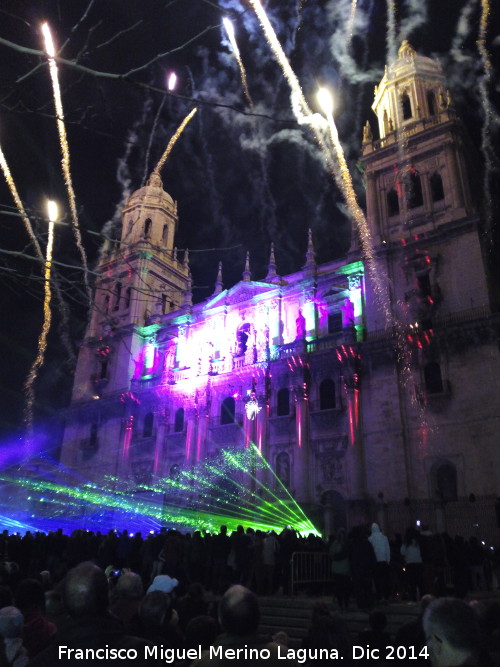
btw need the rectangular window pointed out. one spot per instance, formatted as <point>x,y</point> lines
<point>334,323</point>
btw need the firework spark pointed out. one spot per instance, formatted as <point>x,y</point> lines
<point>232,39</point>
<point>38,252</point>
<point>172,141</point>
<point>301,108</point>
<point>47,318</point>
<point>19,205</point>
<point>65,161</point>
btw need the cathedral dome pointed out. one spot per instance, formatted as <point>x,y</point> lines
<point>410,62</point>
<point>151,193</point>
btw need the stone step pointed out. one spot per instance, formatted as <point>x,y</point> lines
<point>293,616</point>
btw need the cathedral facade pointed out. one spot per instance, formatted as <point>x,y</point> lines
<point>369,385</point>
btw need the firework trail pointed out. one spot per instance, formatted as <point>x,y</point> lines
<point>47,318</point>
<point>19,205</point>
<point>172,80</point>
<point>301,109</point>
<point>341,174</point>
<point>172,141</point>
<point>350,24</point>
<point>340,171</point>
<point>232,39</point>
<point>150,142</point>
<point>490,116</point>
<point>391,31</point>
<point>39,254</point>
<point>65,161</point>
<point>347,188</point>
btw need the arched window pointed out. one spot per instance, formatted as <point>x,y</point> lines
<point>432,378</point>
<point>164,235</point>
<point>436,184</point>
<point>392,202</point>
<point>147,428</point>
<point>406,105</point>
<point>413,189</point>
<point>283,402</point>
<point>118,295</point>
<point>227,410</point>
<point>327,394</point>
<point>446,482</point>
<point>431,102</point>
<point>147,228</point>
<point>179,420</point>
<point>105,306</point>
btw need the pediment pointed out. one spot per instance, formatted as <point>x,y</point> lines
<point>242,291</point>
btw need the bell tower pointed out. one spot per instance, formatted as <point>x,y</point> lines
<point>140,280</point>
<point>420,207</point>
<point>139,274</point>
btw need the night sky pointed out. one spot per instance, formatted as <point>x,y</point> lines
<point>243,176</point>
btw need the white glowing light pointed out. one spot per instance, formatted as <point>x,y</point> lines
<point>325,100</point>
<point>49,43</point>
<point>52,210</point>
<point>230,33</point>
<point>172,81</point>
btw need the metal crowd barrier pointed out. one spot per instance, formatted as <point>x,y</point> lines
<point>310,567</point>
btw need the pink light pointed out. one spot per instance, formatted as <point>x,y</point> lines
<point>299,425</point>
<point>127,438</point>
<point>199,440</point>
<point>189,437</point>
<point>356,408</point>
<point>351,422</point>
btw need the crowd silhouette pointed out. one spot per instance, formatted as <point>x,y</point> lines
<point>169,596</point>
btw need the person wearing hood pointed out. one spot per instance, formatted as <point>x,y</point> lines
<point>382,572</point>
